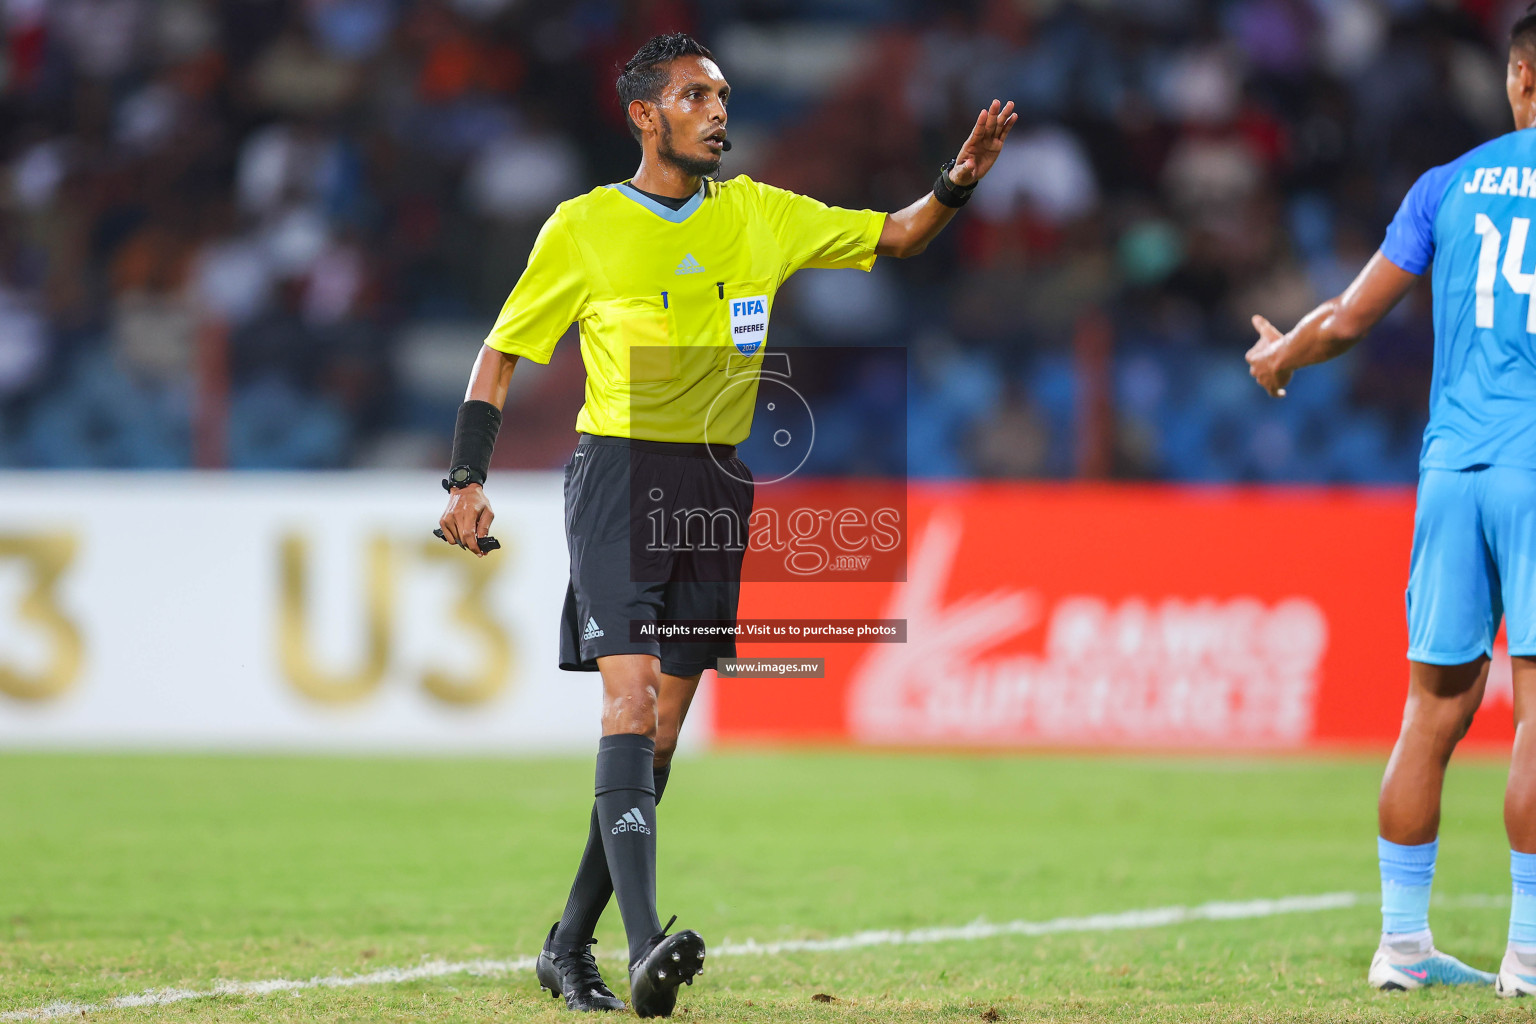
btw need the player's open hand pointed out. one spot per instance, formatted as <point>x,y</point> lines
<point>980,150</point>
<point>1263,359</point>
<point>467,518</point>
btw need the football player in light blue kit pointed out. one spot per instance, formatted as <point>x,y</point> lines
<point>1474,541</point>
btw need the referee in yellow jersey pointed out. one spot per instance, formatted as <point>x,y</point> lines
<point>671,276</point>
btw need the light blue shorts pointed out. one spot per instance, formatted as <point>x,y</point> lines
<point>1474,561</point>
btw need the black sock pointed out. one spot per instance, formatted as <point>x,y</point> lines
<point>626,815</point>
<point>592,887</point>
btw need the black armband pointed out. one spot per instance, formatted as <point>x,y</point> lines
<point>947,192</point>
<point>474,438</point>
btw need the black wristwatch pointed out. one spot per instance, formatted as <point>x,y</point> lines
<point>947,192</point>
<point>462,476</point>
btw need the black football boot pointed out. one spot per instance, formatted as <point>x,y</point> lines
<point>668,961</point>
<point>572,972</point>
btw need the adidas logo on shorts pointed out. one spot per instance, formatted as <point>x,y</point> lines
<point>592,631</point>
<point>631,822</point>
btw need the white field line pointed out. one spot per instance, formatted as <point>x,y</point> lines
<point>1157,917</point>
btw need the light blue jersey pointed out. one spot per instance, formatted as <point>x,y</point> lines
<point>1472,217</point>
<point>1474,538</point>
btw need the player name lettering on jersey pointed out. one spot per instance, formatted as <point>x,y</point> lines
<point>1503,181</point>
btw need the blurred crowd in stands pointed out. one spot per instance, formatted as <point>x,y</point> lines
<point>272,233</point>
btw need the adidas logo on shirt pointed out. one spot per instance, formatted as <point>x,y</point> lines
<point>592,631</point>
<point>690,265</point>
<point>631,822</point>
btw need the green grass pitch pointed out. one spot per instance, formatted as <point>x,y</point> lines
<point>121,874</point>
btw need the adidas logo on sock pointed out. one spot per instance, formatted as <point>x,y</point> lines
<point>632,821</point>
<point>690,265</point>
<point>592,631</point>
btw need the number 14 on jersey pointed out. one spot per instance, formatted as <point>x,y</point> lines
<point>1488,267</point>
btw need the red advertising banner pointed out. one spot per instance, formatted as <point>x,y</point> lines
<point>1097,616</point>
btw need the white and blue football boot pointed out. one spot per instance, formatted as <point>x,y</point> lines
<point>1517,977</point>
<point>1398,971</point>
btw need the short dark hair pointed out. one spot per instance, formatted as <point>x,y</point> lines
<point>645,76</point>
<point>1523,35</point>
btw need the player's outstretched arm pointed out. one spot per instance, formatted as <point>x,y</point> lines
<point>1329,330</point>
<point>468,516</point>
<point>908,232</point>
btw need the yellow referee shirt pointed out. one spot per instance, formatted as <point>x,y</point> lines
<point>673,305</point>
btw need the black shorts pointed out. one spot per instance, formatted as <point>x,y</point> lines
<point>626,502</point>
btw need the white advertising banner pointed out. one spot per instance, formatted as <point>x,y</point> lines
<point>283,611</point>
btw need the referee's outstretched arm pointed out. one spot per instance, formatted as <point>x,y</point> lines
<point>468,515</point>
<point>908,232</point>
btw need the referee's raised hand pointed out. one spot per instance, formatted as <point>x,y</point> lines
<point>467,518</point>
<point>980,151</point>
